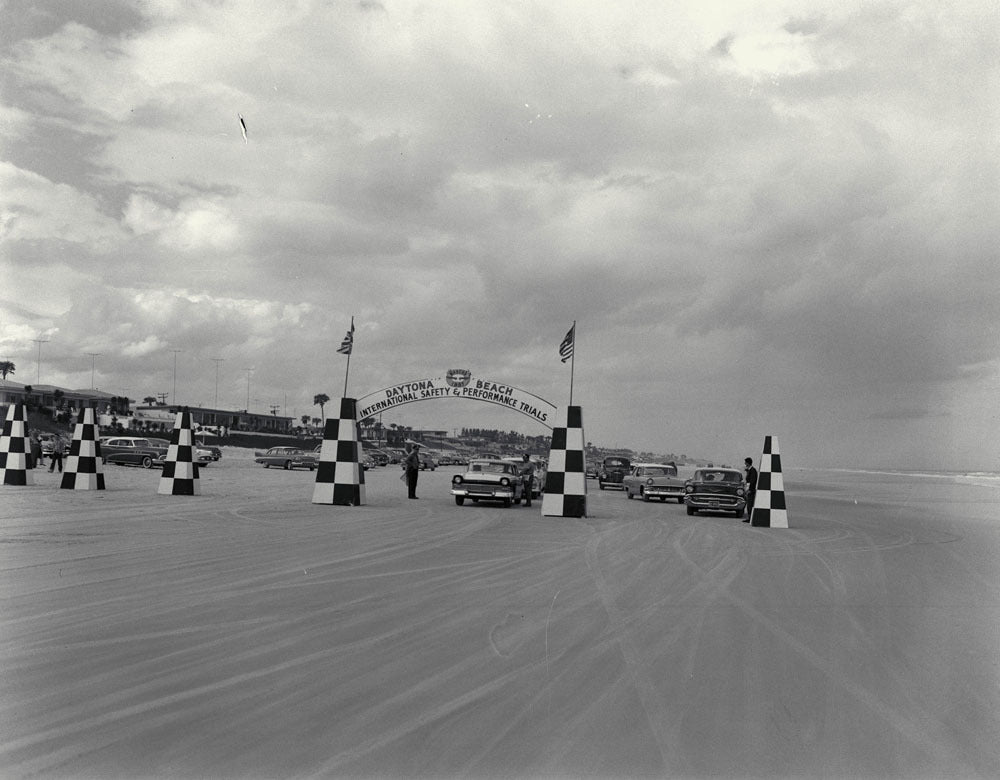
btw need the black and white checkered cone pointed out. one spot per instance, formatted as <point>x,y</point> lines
<point>339,477</point>
<point>769,509</point>
<point>180,472</point>
<point>566,481</point>
<point>15,446</point>
<point>84,469</point>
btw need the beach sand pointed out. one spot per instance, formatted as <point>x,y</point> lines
<point>246,632</point>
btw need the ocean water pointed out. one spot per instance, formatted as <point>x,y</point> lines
<point>979,478</point>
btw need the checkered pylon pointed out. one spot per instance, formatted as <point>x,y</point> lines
<point>566,480</point>
<point>769,503</point>
<point>15,446</point>
<point>180,472</point>
<point>84,470</point>
<point>340,479</point>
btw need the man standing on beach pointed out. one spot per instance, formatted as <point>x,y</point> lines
<point>412,465</point>
<point>58,448</point>
<point>527,477</point>
<point>751,486</point>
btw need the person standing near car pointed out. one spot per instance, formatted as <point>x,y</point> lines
<point>56,456</point>
<point>527,477</point>
<point>35,449</point>
<point>412,465</point>
<point>751,487</point>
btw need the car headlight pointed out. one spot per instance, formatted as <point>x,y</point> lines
<point>457,479</point>
<point>649,481</point>
<point>740,491</point>
<point>504,481</point>
<point>688,489</point>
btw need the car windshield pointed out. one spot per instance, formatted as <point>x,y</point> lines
<point>616,462</point>
<point>490,468</point>
<point>659,471</point>
<point>719,476</point>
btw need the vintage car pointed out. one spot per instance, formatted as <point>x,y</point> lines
<point>212,450</point>
<point>612,471</point>
<point>715,490</point>
<point>47,441</point>
<point>654,480</point>
<point>427,461</point>
<point>488,480</point>
<point>286,458</point>
<point>133,451</point>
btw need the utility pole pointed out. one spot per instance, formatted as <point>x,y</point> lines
<point>93,363</point>
<point>174,396</point>
<point>217,361</point>
<point>39,342</point>
<point>248,370</point>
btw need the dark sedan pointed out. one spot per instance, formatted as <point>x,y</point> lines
<point>132,451</point>
<point>715,490</point>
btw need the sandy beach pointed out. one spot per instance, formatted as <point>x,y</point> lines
<point>246,632</point>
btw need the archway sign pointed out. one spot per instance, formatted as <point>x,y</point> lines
<point>458,383</point>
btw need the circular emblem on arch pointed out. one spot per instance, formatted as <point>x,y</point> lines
<point>458,377</point>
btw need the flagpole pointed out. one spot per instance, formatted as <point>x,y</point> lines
<point>347,371</point>
<point>572,365</point>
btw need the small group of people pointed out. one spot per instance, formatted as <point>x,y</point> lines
<point>36,457</point>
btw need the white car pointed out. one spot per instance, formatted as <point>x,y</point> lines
<point>489,480</point>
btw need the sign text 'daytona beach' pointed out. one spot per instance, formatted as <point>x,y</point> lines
<point>458,383</point>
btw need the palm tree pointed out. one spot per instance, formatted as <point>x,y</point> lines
<point>6,367</point>
<point>320,400</point>
<point>305,419</point>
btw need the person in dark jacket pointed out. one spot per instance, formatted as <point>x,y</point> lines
<point>751,486</point>
<point>412,465</point>
<point>527,477</point>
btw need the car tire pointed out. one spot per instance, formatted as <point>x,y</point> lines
<point>680,499</point>
<point>146,462</point>
<point>460,500</point>
<point>691,510</point>
<point>628,494</point>
<point>288,465</point>
<point>266,465</point>
<point>600,485</point>
<point>739,513</point>
<point>643,496</point>
<point>506,503</point>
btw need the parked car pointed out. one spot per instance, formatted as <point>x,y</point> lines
<point>488,480</point>
<point>47,440</point>
<point>613,471</point>
<point>427,461</point>
<point>214,451</point>
<point>717,490</point>
<point>133,451</point>
<point>286,458</point>
<point>380,457</point>
<point>654,480</point>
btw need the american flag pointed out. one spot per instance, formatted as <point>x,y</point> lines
<point>566,348</point>
<point>348,343</point>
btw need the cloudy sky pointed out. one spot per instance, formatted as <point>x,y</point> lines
<point>765,218</point>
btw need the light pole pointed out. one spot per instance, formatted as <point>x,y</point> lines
<point>173,397</point>
<point>217,361</point>
<point>93,363</point>
<point>39,342</point>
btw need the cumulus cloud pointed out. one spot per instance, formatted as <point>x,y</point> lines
<point>760,217</point>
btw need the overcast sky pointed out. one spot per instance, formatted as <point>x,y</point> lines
<point>766,218</point>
